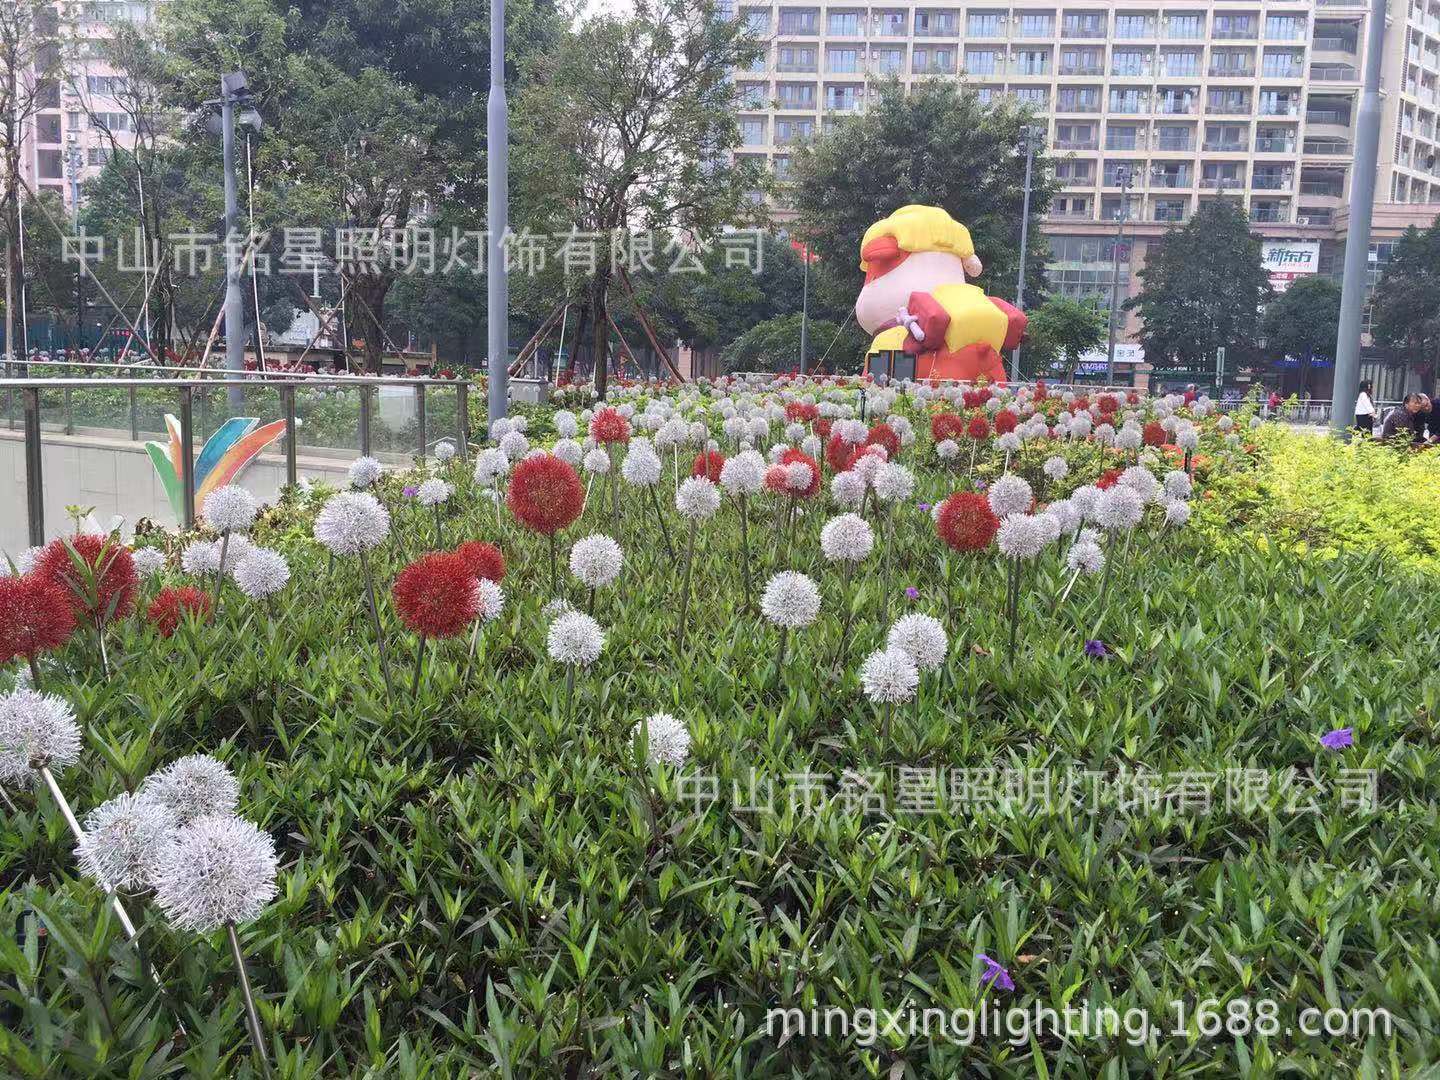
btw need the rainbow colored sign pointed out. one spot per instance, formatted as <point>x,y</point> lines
<point>226,452</point>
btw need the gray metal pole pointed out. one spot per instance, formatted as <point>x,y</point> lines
<point>1357,242</point>
<point>1115,275</point>
<point>497,173</point>
<point>34,476</point>
<point>234,299</point>
<point>804,308</point>
<point>1024,242</point>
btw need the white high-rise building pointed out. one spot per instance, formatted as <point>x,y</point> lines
<point>69,138</point>
<point>1149,107</point>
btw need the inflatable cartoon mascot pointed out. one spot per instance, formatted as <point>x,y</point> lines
<point>915,298</point>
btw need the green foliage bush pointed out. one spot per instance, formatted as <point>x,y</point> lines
<point>1319,496</point>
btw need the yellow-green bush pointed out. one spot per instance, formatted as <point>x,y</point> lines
<point>1316,494</point>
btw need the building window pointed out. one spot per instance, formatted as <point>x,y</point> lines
<point>752,132</point>
<point>888,61</point>
<point>1075,136</point>
<point>799,20</point>
<point>752,95</point>
<point>1084,24</point>
<point>1078,99</point>
<point>891,23</point>
<point>1180,62</point>
<point>1226,100</point>
<point>757,20</point>
<point>789,131</point>
<point>1174,137</point>
<point>1130,62</point>
<point>843,23</point>
<point>97,155</point>
<point>1122,137</point>
<point>1038,97</point>
<point>1037,25</point>
<point>980,61</point>
<point>105,85</point>
<point>1185,27</point>
<point>842,98</point>
<point>782,166</point>
<point>1233,26</point>
<point>797,58</point>
<point>1126,101</point>
<point>1075,173</point>
<point>50,165</point>
<point>935,24</point>
<point>1034,62</point>
<point>1133,26</point>
<point>842,60</point>
<point>797,95</point>
<point>933,61</point>
<point>1284,27</point>
<point>983,24</point>
<point>1082,62</point>
<point>47,128</point>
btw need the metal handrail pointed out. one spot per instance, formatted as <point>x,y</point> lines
<point>247,378</point>
<point>30,390</point>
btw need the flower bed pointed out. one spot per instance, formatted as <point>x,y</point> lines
<point>588,761</point>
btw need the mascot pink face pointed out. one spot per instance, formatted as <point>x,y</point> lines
<point>892,274</point>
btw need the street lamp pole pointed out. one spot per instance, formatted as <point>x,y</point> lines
<point>233,89</point>
<point>1357,242</point>
<point>76,162</point>
<point>1028,135</point>
<point>804,306</point>
<point>1123,175</point>
<point>497,172</point>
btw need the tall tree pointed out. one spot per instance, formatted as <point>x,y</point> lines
<point>1406,304</point>
<point>939,145</point>
<point>32,56</point>
<point>367,132</point>
<point>625,130</point>
<point>1060,331</point>
<point>1303,322</point>
<point>1201,288</point>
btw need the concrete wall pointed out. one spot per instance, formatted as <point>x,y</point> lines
<point>116,477</point>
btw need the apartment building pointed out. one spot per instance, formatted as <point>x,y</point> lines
<point>1149,108</point>
<point>69,138</point>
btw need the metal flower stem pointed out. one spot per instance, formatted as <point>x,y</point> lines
<point>79,834</point>
<point>849,611</point>
<point>220,570</point>
<point>569,690</point>
<point>252,1017</point>
<point>419,664</point>
<point>660,518</point>
<point>470,657</point>
<point>1073,578</point>
<point>1014,605</point>
<point>379,630</point>
<point>614,489</point>
<point>685,586</point>
<point>887,530</point>
<point>439,540</point>
<point>784,641</point>
<point>744,551</point>
<point>554,577</point>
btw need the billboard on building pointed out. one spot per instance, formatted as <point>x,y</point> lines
<point>1286,260</point>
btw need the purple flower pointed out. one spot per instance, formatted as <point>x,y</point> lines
<point>924,506</point>
<point>995,974</point>
<point>1095,648</point>
<point>912,593</point>
<point>1338,739</point>
<point>410,490</point>
<point>980,485</point>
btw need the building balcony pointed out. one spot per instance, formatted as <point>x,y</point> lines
<point>1081,69</point>
<point>1334,73</point>
<point>1324,146</point>
<point>1274,146</point>
<point>1169,214</point>
<point>1269,215</point>
<point>1232,73</point>
<point>1225,146</point>
<point>1262,182</point>
<point>1338,117</point>
<point>1170,142</point>
<point>1076,144</point>
<point>1168,180</point>
<point>1085,33</point>
<point>1220,183</point>
<point>1316,187</point>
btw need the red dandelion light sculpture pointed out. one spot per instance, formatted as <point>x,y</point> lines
<point>105,588</point>
<point>35,617</point>
<point>485,560</point>
<point>436,595</point>
<point>172,604</point>
<point>1153,434</point>
<point>946,425</point>
<point>708,465</point>
<point>545,494</point>
<point>1005,421</point>
<point>966,522</point>
<point>608,426</point>
<point>883,434</point>
<point>839,454</point>
<point>791,457</point>
<point>978,428</point>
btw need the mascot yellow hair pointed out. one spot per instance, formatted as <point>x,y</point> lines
<point>924,228</point>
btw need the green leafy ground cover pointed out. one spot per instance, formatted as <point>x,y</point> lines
<point>471,885</point>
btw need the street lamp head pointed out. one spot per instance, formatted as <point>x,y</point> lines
<point>250,121</point>
<point>234,84</point>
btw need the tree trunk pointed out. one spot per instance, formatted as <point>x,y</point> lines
<point>369,314</point>
<point>600,332</point>
<point>576,333</point>
<point>19,344</point>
